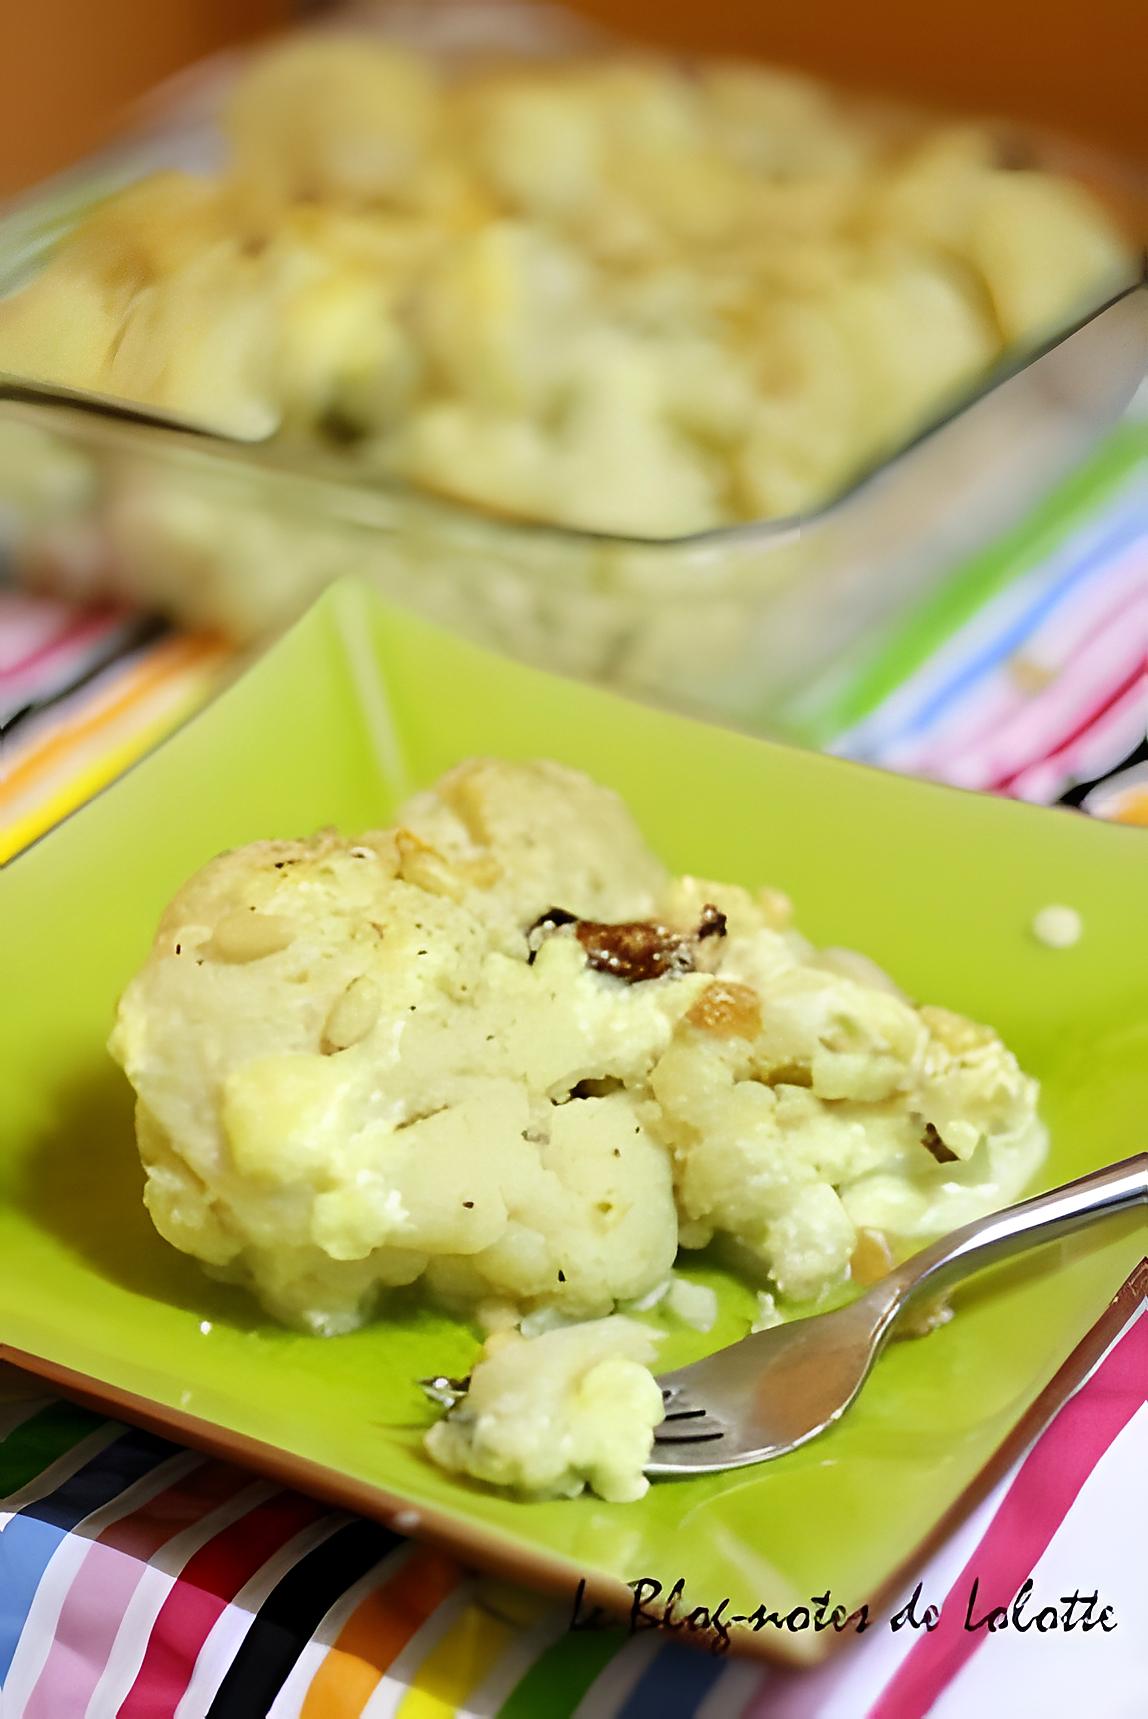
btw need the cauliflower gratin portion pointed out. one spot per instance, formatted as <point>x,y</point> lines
<point>498,1052</point>
<point>549,1415</point>
<point>612,293</point>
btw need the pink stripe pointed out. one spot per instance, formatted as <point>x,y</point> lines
<point>84,1637</point>
<point>1121,581</point>
<point>1055,646</point>
<point>73,638</point>
<point>1032,1510</point>
<point>1034,723</point>
<point>107,1578</point>
<point>1043,724</point>
<point>209,1581</point>
<point>1097,748</point>
<point>27,621</point>
<point>1098,708</point>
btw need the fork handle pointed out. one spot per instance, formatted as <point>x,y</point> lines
<point>1045,1217</point>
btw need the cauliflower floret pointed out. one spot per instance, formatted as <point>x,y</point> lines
<point>619,459</point>
<point>199,342</point>
<point>781,123</point>
<point>539,143</point>
<point>61,329</point>
<point>811,1243</point>
<point>553,1414</point>
<point>804,1098</point>
<point>351,1074</point>
<point>557,839</point>
<point>496,316</point>
<point>342,118</point>
<point>67,324</point>
<point>1046,251</point>
<point>916,336</point>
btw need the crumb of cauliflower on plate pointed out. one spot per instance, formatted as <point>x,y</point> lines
<point>552,1415</point>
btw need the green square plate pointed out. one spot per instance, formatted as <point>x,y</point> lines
<point>348,713</point>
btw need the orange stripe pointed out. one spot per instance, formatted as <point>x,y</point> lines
<point>45,803</point>
<point>375,1634</point>
<point>1133,809</point>
<point>168,659</point>
<point>86,753</point>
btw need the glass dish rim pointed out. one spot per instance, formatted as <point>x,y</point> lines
<point>276,459</point>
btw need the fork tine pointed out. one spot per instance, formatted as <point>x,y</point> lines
<point>679,1404</point>
<point>699,1429</point>
<point>677,1401</point>
<point>665,1443</point>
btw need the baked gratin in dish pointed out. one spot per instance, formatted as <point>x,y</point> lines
<point>610,293</point>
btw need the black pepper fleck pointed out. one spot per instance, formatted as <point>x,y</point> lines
<point>933,1143</point>
<point>469,1204</point>
<point>562,1277</point>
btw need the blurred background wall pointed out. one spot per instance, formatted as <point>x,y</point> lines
<point>70,65</point>
<point>1079,64</point>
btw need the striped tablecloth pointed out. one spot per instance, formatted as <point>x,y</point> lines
<point>140,1579</point>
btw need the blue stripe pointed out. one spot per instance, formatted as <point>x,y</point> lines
<point>32,1536</point>
<point>674,1684</point>
<point>1123,536</point>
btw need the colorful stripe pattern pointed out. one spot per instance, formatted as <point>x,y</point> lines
<point>137,1579</point>
<point>82,695</point>
<point>1027,673</point>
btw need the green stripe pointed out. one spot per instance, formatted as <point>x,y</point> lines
<point>37,1443</point>
<point>971,587</point>
<point>558,1680</point>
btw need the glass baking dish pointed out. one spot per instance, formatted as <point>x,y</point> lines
<point>732,624</point>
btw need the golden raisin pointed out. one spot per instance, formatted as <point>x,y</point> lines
<point>729,1009</point>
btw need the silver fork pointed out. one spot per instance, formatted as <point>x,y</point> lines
<point>777,1389</point>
